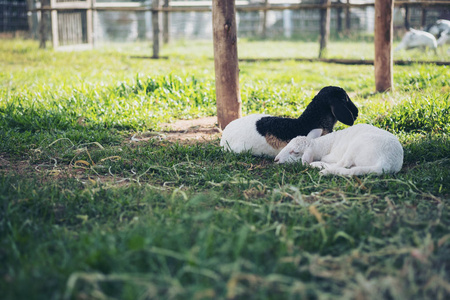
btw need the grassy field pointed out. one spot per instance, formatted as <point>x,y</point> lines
<point>86,213</point>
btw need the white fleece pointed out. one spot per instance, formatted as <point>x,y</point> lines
<point>356,150</point>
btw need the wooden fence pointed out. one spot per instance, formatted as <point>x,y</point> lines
<point>68,17</point>
<point>72,21</point>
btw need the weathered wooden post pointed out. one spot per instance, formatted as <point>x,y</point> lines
<point>43,29</point>
<point>384,28</point>
<point>264,21</point>
<point>166,22</point>
<point>55,24</point>
<point>324,27</point>
<point>423,19</point>
<point>339,17</point>
<point>32,20</point>
<point>90,23</point>
<point>407,26</point>
<point>226,62</point>
<point>155,25</point>
<point>348,17</point>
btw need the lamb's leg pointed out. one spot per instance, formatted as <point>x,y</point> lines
<point>319,164</point>
<point>347,160</point>
<point>363,170</point>
<point>329,158</point>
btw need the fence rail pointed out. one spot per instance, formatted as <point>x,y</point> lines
<point>202,7</point>
<point>157,9</point>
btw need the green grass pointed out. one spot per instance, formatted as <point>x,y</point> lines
<point>85,213</point>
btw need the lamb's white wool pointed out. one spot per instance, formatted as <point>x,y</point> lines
<point>444,38</point>
<point>241,135</point>
<point>417,39</point>
<point>439,26</point>
<point>357,150</point>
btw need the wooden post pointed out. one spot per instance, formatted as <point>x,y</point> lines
<point>226,62</point>
<point>407,26</point>
<point>55,31</point>
<point>55,24</point>
<point>89,23</point>
<point>166,22</point>
<point>43,25</point>
<point>264,21</point>
<point>423,19</point>
<point>348,16</point>
<point>32,20</point>
<point>324,28</point>
<point>42,31</point>
<point>384,27</point>
<point>339,18</point>
<point>155,25</point>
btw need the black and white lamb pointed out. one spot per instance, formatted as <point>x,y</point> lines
<point>357,150</point>
<point>266,135</point>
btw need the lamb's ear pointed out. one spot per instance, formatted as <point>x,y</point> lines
<point>307,157</point>
<point>315,133</point>
<point>343,114</point>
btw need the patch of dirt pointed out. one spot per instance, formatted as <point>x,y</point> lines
<point>7,164</point>
<point>198,130</point>
<point>183,125</point>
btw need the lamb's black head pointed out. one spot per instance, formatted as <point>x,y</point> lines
<point>339,102</point>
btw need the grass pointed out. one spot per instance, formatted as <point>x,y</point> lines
<point>88,214</point>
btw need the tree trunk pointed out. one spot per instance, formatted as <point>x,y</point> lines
<point>384,28</point>
<point>226,62</point>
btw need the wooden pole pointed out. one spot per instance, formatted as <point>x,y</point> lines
<point>155,25</point>
<point>407,25</point>
<point>423,19</point>
<point>339,18</point>
<point>32,19</point>
<point>166,22</point>
<point>43,25</point>
<point>384,27</point>
<point>42,31</point>
<point>226,62</point>
<point>90,23</point>
<point>55,28</point>
<point>347,18</point>
<point>264,24</point>
<point>324,28</point>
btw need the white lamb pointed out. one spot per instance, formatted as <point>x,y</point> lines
<point>439,27</point>
<point>417,39</point>
<point>357,150</point>
<point>444,38</point>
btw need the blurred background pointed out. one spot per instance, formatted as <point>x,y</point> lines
<point>94,23</point>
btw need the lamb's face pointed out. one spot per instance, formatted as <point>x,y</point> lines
<point>293,151</point>
<point>342,108</point>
